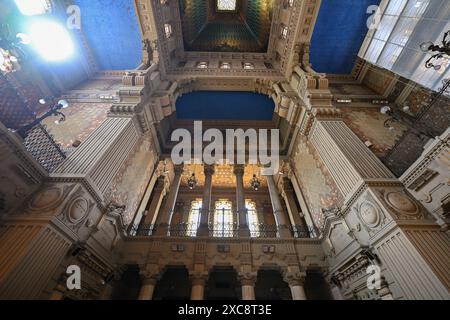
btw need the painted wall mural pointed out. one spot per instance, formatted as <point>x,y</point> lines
<point>368,125</point>
<point>129,185</point>
<point>318,186</point>
<point>81,120</point>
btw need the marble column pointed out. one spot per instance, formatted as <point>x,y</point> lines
<point>296,282</point>
<point>167,212</point>
<point>147,288</point>
<point>295,216</point>
<point>206,202</point>
<point>280,217</point>
<point>248,288</point>
<point>155,204</point>
<point>244,230</point>
<point>198,287</point>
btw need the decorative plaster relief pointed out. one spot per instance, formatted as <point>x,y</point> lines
<point>48,199</point>
<point>402,205</point>
<point>369,214</point>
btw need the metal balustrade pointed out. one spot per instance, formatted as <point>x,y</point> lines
<point>229,230</point>
<point>43,148</point>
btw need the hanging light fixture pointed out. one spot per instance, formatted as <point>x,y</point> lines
<point>443,52</point>
<point>192,181</point>
<point>53,111</point>
<point>255,183</point>
<point>11,49</point>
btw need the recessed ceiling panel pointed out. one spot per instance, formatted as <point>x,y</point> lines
<point>226,25</point>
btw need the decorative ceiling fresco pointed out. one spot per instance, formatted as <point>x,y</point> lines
<point>226,25</point>
<point>224,105</point>
<point>339,33</point>
<point>223,176</point>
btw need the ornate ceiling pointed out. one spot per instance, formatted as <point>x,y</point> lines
<point>243,29</point>
<point>223,176</point>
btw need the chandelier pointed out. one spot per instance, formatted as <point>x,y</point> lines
<point>442,51</point>
<point>11,49</point>
<point>192,181</point>
<point>255,183</point>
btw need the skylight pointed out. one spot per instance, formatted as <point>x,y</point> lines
<point>51,40</point>
<point>33,7</point>
<point>226,5</point>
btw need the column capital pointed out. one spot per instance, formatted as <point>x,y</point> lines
<point>209,169</point>
<point>238,169</point>
<point>295,278</point>
<point>198,279</point>
<point>149,273</point>
<point>178,169</point>
<point>248,278</point>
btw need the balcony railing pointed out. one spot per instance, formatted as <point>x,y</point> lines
<point>218,230</point>
<point>43,148</point>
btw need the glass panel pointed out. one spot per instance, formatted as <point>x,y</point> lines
<point>194,218</point>
<point>226,5</point>
<point>223,219</point>
<point>252,218</point>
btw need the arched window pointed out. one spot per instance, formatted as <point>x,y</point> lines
<point>194,217</point>
<point>252,218</point>
<point>223,219</point>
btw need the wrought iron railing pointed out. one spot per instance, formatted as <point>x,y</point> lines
<point>43,148</point>
<point>219,230</point>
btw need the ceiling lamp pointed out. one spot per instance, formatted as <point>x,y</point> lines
<point>51,40</point>
<point>8,62</point>
<point>11,50</point>
<point>255,183</point>
<point>54,110</point>
<point>33,7</point>
<point>442,51</point>
<point>192,181</point>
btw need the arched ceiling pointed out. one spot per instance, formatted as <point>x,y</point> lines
<point>112,32</point>
<point>245,29</point>
<point>339,33</point>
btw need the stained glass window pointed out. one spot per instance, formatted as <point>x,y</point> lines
<point>223,219</point>
<point>194,217</point>
<point>226,5</point>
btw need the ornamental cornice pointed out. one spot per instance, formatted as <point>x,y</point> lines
<point>422,164</point>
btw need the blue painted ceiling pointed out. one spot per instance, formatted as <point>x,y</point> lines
<point>112,31</point>
<point>220,105</point>
<point>338,35</point>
